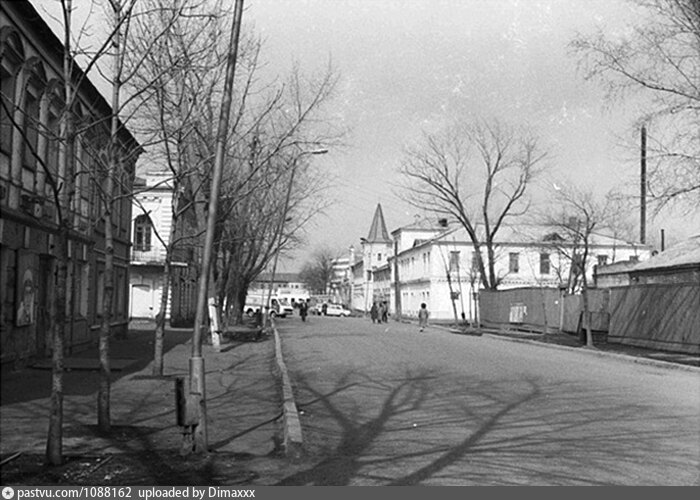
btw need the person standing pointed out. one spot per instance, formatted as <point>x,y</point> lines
<point>380,312</point>
<point>385,312</point>
<point>303,310</point>
<point>373,312</point>
<point>423,316</point>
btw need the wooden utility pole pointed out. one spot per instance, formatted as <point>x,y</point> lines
<point>643,189</point>
<point>197,393</point>
<point>397,283</point>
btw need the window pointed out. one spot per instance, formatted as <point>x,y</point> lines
<point>602,259</point>
<point>454,261</point>
<point>544,263</point>
<point>7,94</point>
<point>513,262</point>
<point>142,233</point>
<point>31,130</point>
<point>475,261</point>
<point>634,258</point>
<point>379,257</point>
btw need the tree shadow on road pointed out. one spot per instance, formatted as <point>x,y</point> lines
<point>421,429</point>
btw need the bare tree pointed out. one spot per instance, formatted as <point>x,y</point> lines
<point>317,272</point>
<point>179,71</point>
<point>574,220</point>
<point>478,174</point>
<point>659,56</point>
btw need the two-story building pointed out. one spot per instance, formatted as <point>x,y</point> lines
<point>32,177</point>
<point>433,262</point>
<point>152,218</point>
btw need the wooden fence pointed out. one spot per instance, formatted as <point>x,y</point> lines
<point>533,308</point>
<point>658,316</point>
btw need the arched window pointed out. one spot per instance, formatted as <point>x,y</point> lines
<point>142,233</point>
<point>11,57</point>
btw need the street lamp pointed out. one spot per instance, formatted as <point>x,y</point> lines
<point>277,242</point>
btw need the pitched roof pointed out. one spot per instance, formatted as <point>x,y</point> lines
<point>377,231</point>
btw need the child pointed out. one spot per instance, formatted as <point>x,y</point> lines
<point>423,316</point>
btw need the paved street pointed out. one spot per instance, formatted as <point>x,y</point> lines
<point>387,405</point>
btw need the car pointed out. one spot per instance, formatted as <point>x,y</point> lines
<point>337,310</point>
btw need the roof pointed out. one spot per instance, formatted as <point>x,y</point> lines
<point>686,253</point>
<point>622,266</point>
<point>377,231</point>
<point>279,277</point>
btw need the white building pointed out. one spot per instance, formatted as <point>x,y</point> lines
<point>376,250</point>
<point>151,222</point>
<point>435,265</point>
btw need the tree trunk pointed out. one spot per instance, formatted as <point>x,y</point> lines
<point>103,399</point>
<point>159,334</point>
<point>103,411</point>
<point>54,441</point>
<point>586,312</point>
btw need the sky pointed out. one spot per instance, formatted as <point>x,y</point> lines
<point>413,66</point>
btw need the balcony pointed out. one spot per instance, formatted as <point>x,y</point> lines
<point>154,255</point>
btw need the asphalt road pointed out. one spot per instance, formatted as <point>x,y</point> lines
<point>387,405</point>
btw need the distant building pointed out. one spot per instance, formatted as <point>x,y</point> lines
<point>152,217</point>
<point>376,249</point>
<point>31,71</point>
<point>284,284</point>
<point>433,261</point>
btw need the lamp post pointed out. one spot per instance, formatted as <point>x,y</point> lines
<point>277,243</point>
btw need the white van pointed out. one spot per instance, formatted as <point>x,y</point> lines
<point>255,303</point>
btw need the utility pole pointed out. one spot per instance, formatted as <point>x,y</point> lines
<point>197,393</point>
<point>643,189</point>
<point>397,285</point>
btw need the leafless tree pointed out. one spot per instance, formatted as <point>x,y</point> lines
<point>274,126</point>
<point>478,174</point>
<point>574,219</point>
<point>180,71</point>
<point>317,272</point>
<point>658,56</point>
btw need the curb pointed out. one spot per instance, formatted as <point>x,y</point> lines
<point>292,439</point>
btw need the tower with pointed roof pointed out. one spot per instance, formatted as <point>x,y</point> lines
<point>377,248</point>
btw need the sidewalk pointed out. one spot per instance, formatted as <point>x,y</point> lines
<point>637,354</point>
<point>243,409</point>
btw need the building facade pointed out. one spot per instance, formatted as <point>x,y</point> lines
<point>151,219</point>
<point>31,177</point>
<point>433,262</point>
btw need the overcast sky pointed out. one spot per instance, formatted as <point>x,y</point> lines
<point>409,66</point>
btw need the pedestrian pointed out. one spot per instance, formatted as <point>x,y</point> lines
<point>380,312</point>
<point>423,316</point>
<point>303,310</point>
<point>385,312</point>
<point>374,313</point>
<point>324,308</point>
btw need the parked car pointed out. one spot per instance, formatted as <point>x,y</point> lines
<point>337,310</point>
<point>317,309</point>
